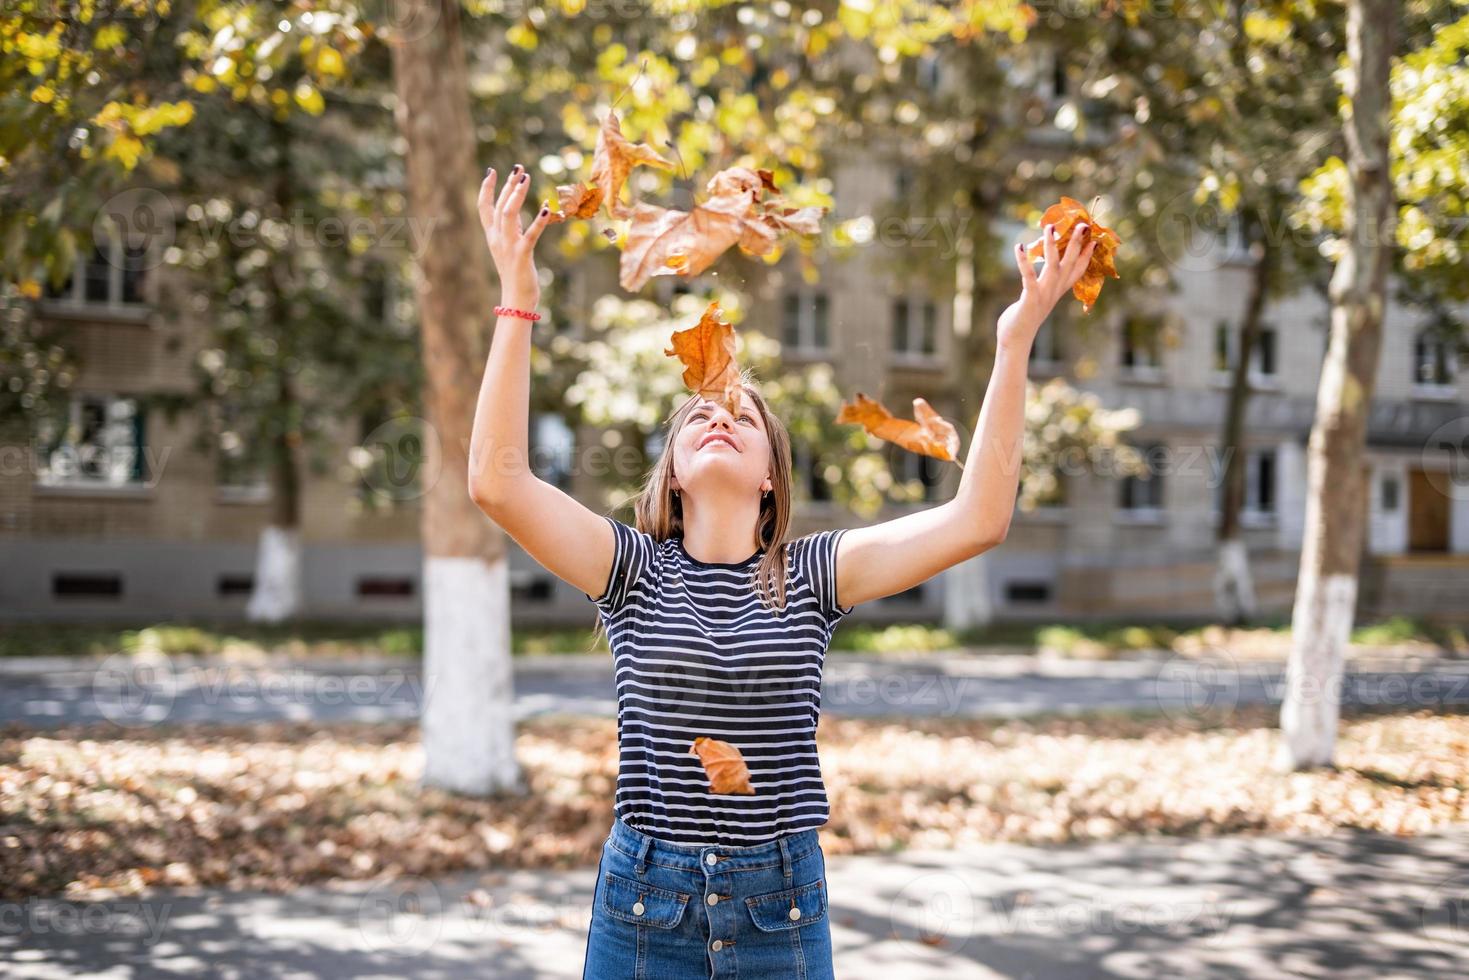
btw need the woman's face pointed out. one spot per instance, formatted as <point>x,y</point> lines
<point>716,452</point>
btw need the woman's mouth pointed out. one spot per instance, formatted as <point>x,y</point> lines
<point>708,441</point>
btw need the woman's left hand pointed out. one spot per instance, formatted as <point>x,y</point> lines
<point>1038,295</point>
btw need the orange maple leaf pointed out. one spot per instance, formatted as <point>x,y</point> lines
<point>931,434</point>
<point>724,765</point>
<point>1066,215</point>
<point>666,242</point>
<point>707,350</point>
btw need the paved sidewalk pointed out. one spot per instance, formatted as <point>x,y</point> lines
<point>1350,907</point>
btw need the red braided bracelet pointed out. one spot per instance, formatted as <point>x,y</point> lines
<point>512,311</point>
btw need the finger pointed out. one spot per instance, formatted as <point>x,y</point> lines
<point>510,180</point>
<point>485,203</point>
<point>533,233</point>
<point>1048,235</point>
<point>1027,268</point>
<point>1074,247</point>
<point>1084,263</point>
<point>515,203</point>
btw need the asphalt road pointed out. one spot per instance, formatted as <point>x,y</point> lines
<point>126,694</point>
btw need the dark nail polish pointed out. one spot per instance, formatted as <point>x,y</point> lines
<point>524,178</point>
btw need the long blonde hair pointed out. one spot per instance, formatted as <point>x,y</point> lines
<point>658,511</point>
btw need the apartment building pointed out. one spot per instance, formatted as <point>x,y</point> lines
<point>116,515</point>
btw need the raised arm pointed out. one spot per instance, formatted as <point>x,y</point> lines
<point>571,541</point>
<point>891,556</point>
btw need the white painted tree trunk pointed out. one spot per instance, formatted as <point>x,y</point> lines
<point>1326,592</point>
<point>1321,625</point>
<point>468,729</point>
<point>1234,584</point>
<point>276,594</point>
<point>468,717</point>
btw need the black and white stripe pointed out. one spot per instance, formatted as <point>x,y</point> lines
<point>695,653</point>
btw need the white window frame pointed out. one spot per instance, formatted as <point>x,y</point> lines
<point>1151,372</point>
<point>905,343</point>
<point>119,450</point>
<point>1435,390</point>
<point>806,303</point>
<point>1258,378</point>
<point>1153,513</point>
<point>1046,356</point>
<point>75,296</point>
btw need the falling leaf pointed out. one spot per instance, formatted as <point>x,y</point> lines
<point>663,241</point>
<point>931,434</point>
<point>707,350</point>
<point>724,764</point>
<point>576,201</point>
<point>1065,216</point>
<point>612,161</point>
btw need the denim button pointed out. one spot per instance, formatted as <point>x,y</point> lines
<point>711,858</point>
<point>795,913</point>
<point>638,908</point>
<point>717,945</point>
<point>713,899</point>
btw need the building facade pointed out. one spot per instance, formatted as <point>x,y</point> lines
<point>115,515</point>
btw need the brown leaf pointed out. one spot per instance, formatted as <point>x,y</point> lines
<point>931,434</point>
<point>663,241</point>
<point>576,201</point>
<point>707,350</point>
<point>614,159</point>
<point>724,764</point>
<point>1066,215</point>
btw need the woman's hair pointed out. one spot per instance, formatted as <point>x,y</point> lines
<point>659,511</point>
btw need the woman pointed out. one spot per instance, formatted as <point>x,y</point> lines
<point>719,627</point>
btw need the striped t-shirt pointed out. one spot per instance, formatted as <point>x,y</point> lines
<point>696,653</point>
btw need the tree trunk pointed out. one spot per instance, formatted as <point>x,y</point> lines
<point>468,726</point>
<point>1326,592</point>
<point>1234,587</point>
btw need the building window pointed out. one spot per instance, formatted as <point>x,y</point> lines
<point>1141,350</point>
<point>1022,592</point>
<point>804,321</point>
<point>806,471</point>
<point>1260,486</point>
<point>1389,493</point>
<point>1142,495</point>
<point>1260,481</point>
<point>99,443</point>
<point>914,327</point>
<point>1045,353</point>
<point>553,445</point>
<point>908,467</point>
<point>1435,362</point>
<point>1262,355</point>
<point>240,474</point>
<point>112,276</point>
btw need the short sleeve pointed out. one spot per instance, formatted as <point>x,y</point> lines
<point>817,554</point>
<point>632,562</point>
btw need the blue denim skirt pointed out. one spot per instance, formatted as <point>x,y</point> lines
<point>665,911</point>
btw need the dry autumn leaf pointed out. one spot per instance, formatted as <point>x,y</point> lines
<point>724,764</point>
<point>931,434</point>
<point>707,351</point>
<point>1066,215</point>
<point>612,161</point>
<point>666,242</point>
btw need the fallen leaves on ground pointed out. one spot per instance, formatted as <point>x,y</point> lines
<point>92,812</point>
<point>927,432</point>
<point>723,764</point>
<point>1066,215</point>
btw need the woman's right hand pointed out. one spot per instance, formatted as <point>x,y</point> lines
<point>510,247</point>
